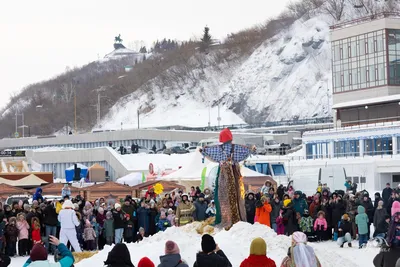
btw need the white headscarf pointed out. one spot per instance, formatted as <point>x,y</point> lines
<point>303,255</point>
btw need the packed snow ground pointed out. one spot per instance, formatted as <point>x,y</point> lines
<point>236,245</point>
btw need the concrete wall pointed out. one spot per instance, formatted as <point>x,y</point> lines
<point>365,94</point>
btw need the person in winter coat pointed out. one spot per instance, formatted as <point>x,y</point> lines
<point>66,191</point>
<point>118,223</point>
<point>35,226</point>
<point>306,224</point>
<point>89,236</point>
<point>289,217</point>
<point>386,194</point>
<point>38,256</point>
<point>393,238</point>
<point>387,257</point>
<point>300,254</point>
<point>263,213</point>
<point>38,195</point>
<point>344,231</point>
<point>380,213</point>
<point>299,203</point>
<point>381,231</point>
<point>362,224</point>
<point>128,208</point>
<point>172,257</point>
<point>315,207</point>
<point>69,221</point>
<point>211,255</point>
<point>50,223</point>
<point>109,228</point>
<point>163,223</point>
<point>100,219</point>
<point>184,212</point>
<point>11,234</point>
<point>351,210</point>
<point>23,235</point>
<point>265,188</point>
<point>201,206</point>
<point>143,216</point>
<point>377,199</point>
<point>276,209</point>
<point>258,255</point>
<point>338,209</point>
<point>369,209</point>
<point>119,256</point>
<point>321,226</point>
<point>153,214</point>
<point>250,204</point>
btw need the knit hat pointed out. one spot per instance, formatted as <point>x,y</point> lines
<point>258,247</point>
<point>286,202</point>
<point>171,248</point>
<point>345,217</point>
<point>38,253</point>
<point>225,136</point>
<point>201,195</point>
<point>108,215</point>
<point>208,244</point>
<point>117,206</point>
<point>395,207</point>
<point>145,262</point>
<point>298,192</point>
<point>100,210</point>
<point>68,204</point>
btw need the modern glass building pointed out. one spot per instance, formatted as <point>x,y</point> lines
<point>366,70</point>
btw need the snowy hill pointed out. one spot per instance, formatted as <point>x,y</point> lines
<point>286,77</point>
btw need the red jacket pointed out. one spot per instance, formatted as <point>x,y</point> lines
<point>36,235</point>
<point>258,261</point>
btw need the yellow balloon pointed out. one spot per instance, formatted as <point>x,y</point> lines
<point>158,188</point>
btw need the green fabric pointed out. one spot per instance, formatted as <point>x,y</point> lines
<point>216,201</point>
<point>203,178</point>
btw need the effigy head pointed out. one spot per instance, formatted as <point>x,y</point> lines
<point>225,136</point>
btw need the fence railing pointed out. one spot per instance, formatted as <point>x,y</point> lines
<point>366,19</point>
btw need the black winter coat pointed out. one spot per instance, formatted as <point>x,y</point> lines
<point>338,209</point>
<point>118,219</point>
<point>200,212</point>
<point>250,209</point>
<point>346,227</point>
<point>276,208</point>
<point>383,228</point>
<point>217,259</point>
<point>289,216</point>
<point>386,194</point>
<point>369,210</point>
<point>328,213</point>
<point>387,257</point>
<point>50,216</point>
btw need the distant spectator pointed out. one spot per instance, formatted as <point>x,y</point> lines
<point>119,256</point>
<point>211,255</point>
<point>38,195</point>
<point>172,257</point>
<point>66,191</point>
<point>386,194</point>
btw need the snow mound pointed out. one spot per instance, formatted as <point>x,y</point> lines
<point>236,245</point>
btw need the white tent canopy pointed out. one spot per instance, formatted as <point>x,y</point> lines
<point>192,170</point>
<point>131,179</point>
<point>31,180</point>
<point>246,172</point>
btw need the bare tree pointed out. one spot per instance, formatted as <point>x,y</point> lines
<point>67,90</point>
<point>335,8</point>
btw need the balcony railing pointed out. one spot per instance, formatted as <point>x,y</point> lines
<point>365,19</point>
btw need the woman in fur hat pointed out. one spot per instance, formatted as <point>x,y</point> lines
<point>229,190</point>
<point>258,255</point>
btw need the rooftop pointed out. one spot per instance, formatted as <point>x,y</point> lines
<point>365,19</point>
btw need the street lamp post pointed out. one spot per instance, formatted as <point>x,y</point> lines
<point>138,119</point>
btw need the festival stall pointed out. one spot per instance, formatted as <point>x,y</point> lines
<point>70,172</point>
<point>97,173</point>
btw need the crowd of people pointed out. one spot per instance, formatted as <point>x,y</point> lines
<point>44,227</point>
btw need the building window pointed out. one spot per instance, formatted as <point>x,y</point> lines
<point>367,75</point>
<point>349,51</point>
<point>375,46</point>
<point>341,53</point>
<point>366,47</point>
<point>350,79</point>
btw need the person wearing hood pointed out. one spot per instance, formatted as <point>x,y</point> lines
<point>145,262</point>
<point>50,222</point>
<point>66,191</point>
<point>38,195</point>
<point>338,209</point>
<point>369,210</point>
<point>172,257</point>
<point>380,213</point>
<point>119,256</point>
<point>250,205</point>
<point>387,257</point>
<point>118,223</point>
<point>315,207</point>
<point>184,212</point>
<point>201,206</point>
<point>276,209</point>
<point>208,195</point>
<point>300,254</point>
<point>299,203</point>
<point>258,255</point>
<point>69,221</point>
<point>377,199</point>
<point>393,238</point>
<point>362,224</point>
<point>263,212</point>
<point>38,256</point>
<point>344,231</point>
<point>289,216</point>
<point>211,255</point>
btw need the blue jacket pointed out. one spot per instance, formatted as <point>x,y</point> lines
<point>299,205</point>
<point>163,224</point>
<point>66,261</point>
<point>143,218</point>
<point>38,194</point>
<point>362,221</point>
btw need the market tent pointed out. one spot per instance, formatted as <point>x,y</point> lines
<point>131,179</point>
<point>70,172</point>
<point>30,180</point>
<point>253,180</point>
<point>97,173</point>
<point>191,171</point>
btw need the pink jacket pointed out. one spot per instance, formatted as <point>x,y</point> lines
<point>322,222</point>
<point>23,230</point>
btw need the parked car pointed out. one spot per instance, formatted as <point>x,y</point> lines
<point>47,198</point>
<point>192,149</point>
<point>16,198</point>
<point>175,150</point>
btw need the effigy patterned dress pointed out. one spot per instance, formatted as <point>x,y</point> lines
<point>229,189</point>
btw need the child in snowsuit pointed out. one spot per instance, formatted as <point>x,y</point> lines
<point>171,217</point>
<point>362,225</point>
<point>96,227</point>
<point>140,235</point>
<point>11,234</point>
<point>23,235</point>
<point>163,223</point>
<point>280,227</point>
<point>109,228</point>
<point>211,211</point>
<point>321,226</point>
<point>128,229</point>
<point>36,237</point>
<point>89,236</point>
<point>344,231</point>
<point>306,226</point>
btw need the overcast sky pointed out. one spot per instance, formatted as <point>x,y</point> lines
<point>39,39</point>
